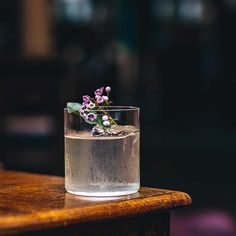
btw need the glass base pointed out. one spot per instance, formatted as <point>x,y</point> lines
<point>111,191</point>
<point>102,194</point>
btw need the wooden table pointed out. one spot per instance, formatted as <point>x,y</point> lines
<point>32,204</point>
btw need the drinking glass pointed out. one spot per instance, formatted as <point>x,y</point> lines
<point>103,163</point>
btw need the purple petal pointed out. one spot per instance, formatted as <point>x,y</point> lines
<point>91,117</point>
<point>83,107</point>
<point>86,103</point>
<point>105,98</point>
<point>108,89</point>
<point>99,91</point>
<point>100,99</point>
<point>86,98</point>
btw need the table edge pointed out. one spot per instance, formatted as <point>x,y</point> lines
<point>63,217</point>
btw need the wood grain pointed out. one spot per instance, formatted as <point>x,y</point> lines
<point>37,202</point>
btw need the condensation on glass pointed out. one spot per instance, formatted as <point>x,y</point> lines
<point>103,165</point>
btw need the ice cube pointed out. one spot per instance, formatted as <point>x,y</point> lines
<point>116,130</point>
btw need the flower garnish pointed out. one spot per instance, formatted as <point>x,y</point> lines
<point>99,99</point>
<point>91,105</point>
<point>86,98</point>
<point>108,89</point>
<point>91,117</point>
<point>99,91</point>
<point>95,110</point>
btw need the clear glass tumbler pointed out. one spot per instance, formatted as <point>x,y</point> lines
<point>103,164</point>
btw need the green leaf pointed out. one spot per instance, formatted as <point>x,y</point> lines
<point>99,121</point>
<point>73,107</point>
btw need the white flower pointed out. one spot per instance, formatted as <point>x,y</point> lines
<point>105,117</point>
<point>106,123</point>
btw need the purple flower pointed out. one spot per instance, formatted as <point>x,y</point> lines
<point>82,113</point>
<point>83,107</point>
<point>108,89</point>
<point>82,110</point>
<point>85,104</point>
<point>99,99</point>
<point>86,98</point>
<point>91,117</point>
<point>105,98</point>
<point>99,91</point>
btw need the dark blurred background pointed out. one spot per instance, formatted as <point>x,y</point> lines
<point>175,59</point>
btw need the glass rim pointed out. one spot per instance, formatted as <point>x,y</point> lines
<point>116,108</point>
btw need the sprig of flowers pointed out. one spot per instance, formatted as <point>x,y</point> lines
<point>95,110</point>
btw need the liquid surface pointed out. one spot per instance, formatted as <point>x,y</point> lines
<point>102,166</point>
